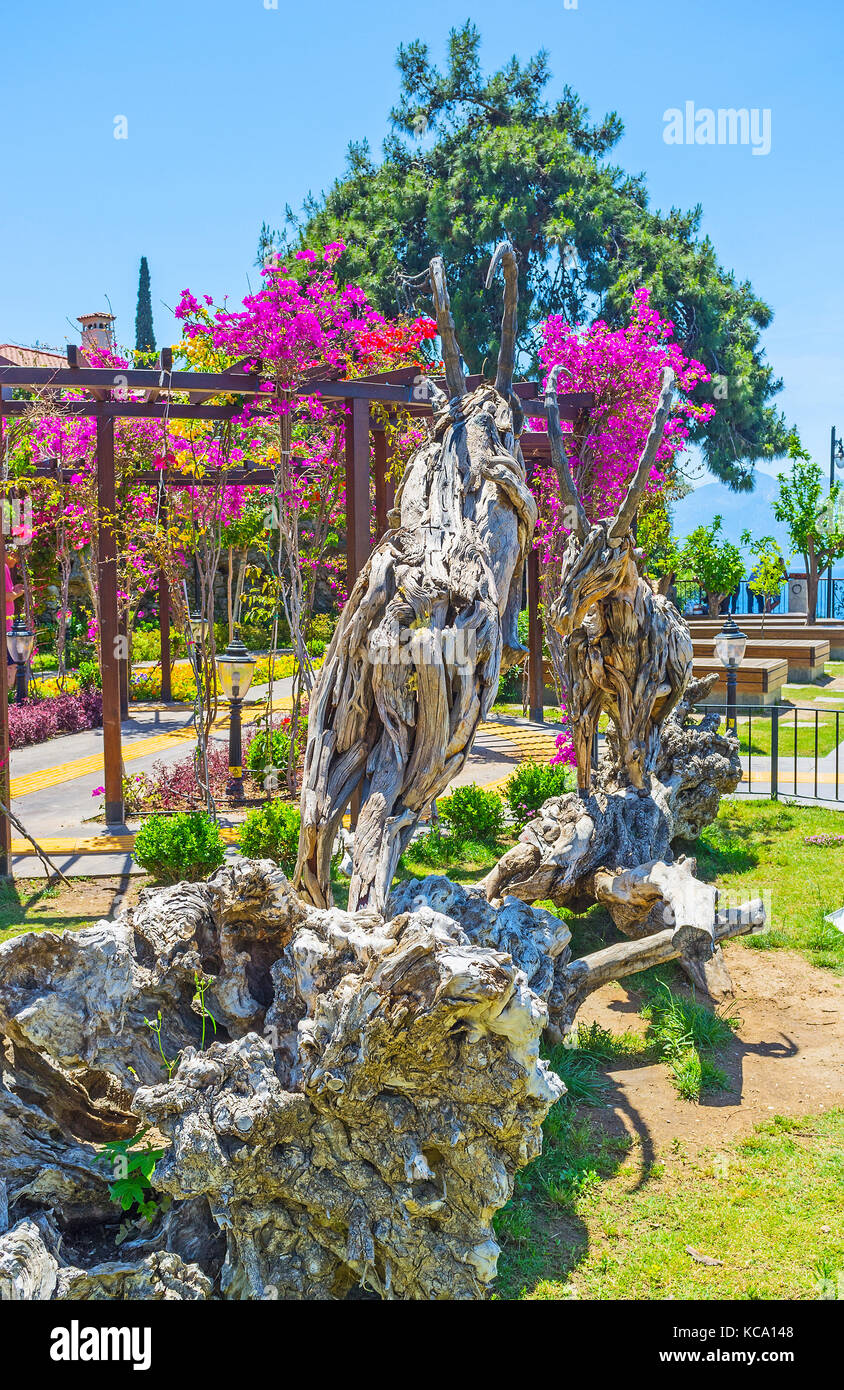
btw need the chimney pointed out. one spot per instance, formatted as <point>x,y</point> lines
<point>97,331</point>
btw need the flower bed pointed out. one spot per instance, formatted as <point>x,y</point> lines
<point>35,721</point>
<point>173,787</point>
<point>146,685</point>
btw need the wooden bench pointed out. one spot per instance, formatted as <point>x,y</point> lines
<point>806,659</point>
<point>759,680</point>
<point>777,625</point>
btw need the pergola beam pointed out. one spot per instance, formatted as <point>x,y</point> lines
<point>396,387</point>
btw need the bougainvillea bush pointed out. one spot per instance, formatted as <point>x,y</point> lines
<point>622,367</point>
<point>35,721</point>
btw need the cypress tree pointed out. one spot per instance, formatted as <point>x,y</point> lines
<point>144,332</point>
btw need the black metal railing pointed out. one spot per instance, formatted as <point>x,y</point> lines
<point>788,750</point>
<point>830,598</point>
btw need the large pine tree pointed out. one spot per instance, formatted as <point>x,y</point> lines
<point>500,157</point>
<point>144,332</point>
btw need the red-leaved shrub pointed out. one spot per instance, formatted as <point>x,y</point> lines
<point>37,720</point>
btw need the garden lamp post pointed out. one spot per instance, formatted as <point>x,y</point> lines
<point>20,642</point>
<point>730,646</point>
<point>235,667</point>
<point>198,626</point>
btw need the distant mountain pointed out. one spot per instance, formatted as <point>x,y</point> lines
<point>751,511</point>
<point>746,511</point>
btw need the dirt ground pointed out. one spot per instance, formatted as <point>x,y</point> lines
<point>29,904</point>
<point>787,1057</point>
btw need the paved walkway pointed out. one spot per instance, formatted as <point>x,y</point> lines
<point>53,783</point>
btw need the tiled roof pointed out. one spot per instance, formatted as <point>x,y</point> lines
<point>11,355</point>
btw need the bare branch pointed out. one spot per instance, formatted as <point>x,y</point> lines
<point>618,529</point>
<point>560,458</point>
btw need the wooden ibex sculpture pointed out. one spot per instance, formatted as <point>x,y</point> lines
<point>626,649</point>
<point>414,663</point>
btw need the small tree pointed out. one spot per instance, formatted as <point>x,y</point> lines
<point>769,571</point>
<point>815,523</point>
<point>661,555</point>
<point>144,332</point>
<point>715,562</point>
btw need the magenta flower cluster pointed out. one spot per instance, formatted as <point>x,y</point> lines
<point>622,367</point>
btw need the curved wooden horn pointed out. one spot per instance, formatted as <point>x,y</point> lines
<point>617,530</point>
<point>559,457</point>
<point>506,256</point>
<point>454,378</point>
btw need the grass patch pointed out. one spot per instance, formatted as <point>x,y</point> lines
<point>607,1047</point>
<point>586,1223</point>
<point>682,1033</point>
<point>801,694</point>
<point>551,713</point>
<point>34,905</point>
<point>754,734</point>
<point>758,849</point>
<point>463,861</point>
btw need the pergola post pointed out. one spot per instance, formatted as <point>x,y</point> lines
<point>123,665</point>
<point>164,627</point>
<point>358,512</point>
<point>385,487</point>
<point>164,617</point>
<point>109,645</point>
<point>535,677</point>
<point>5,769</point>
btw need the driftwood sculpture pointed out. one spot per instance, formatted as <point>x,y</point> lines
<point>413,666</point>
<point>626,650</point>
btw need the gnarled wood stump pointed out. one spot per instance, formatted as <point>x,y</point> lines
<point>372,1087</point>
<point>614,844</point>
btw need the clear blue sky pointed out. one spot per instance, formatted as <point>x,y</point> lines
<point>235,109</point>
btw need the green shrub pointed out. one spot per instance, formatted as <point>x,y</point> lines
<point>317,646</point>
<point>89,676</point>
<point>510,687</point>
<point>263,752</point>
<point>472,813</point>
<point>532,784</point>
<point>437,849</point>
<point>146,644</point>
<point>272,832</point>
<point>322,627</point>
<point>187,845</point>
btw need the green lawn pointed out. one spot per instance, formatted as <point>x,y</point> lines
<point>800,694</point>
<point>755,733</point>
<point>551,712</point>
<point>757,848</point>
<point>592,1219</point>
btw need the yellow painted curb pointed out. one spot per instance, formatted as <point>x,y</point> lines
<point>84,767</point>
<point>103,844</point>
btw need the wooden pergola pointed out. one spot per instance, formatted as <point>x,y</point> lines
<point>156,392</point>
